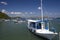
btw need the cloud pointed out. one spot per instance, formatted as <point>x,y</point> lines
<point>3,10</point>
<point>4,3</point>
<point>16,12</point>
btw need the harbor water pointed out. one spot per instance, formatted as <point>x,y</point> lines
<point>18,31</point>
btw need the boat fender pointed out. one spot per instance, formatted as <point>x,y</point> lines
<point>33,31</point>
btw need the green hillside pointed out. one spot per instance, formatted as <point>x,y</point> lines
<point>4,16</point>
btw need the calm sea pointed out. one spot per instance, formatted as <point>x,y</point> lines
<point>19,31</point>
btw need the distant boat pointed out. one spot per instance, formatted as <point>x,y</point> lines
<point>6,20</point>
<point>14,20</point>
<point>41,27</point>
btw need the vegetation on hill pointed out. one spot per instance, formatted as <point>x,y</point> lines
<point>4,16</point>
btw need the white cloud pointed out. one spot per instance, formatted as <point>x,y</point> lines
<point>4,3</point>
<point>3,10</point>
<point>31,12</point>
<point>16,12</point>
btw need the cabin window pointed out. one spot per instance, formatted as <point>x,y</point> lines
<point>32,24</point>
<point>39,26</point>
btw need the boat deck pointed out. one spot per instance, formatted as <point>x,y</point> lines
<point>44,31</point>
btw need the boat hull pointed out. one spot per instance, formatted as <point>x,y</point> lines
<point>48,36</point>
<point>43,35</point>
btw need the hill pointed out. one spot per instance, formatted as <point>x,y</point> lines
<point>4,16</point>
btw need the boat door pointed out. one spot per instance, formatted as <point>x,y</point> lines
<point>38,25</point>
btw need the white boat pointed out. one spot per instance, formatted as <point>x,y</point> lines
<point>41,27</point>
<point>6,20</point>
<point>14,20</point>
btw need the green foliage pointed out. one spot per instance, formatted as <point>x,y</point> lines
<point>4,16</point>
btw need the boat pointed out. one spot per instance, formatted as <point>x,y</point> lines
<point>41,27</point>
<point>7,20</point>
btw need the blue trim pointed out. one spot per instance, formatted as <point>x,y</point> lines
<point>46,28</point>
<point>43,20</point>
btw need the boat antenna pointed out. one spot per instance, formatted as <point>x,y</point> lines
<point>41,11</point>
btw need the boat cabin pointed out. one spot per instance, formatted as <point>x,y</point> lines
<point>38,24</point>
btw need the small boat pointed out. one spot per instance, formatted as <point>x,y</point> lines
<point>41,27</point>
<point>7,20</point>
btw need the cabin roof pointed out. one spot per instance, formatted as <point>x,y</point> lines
<point>34,20</point>
<point>37,20</point>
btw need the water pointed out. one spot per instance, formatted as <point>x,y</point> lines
<point>13,31</point>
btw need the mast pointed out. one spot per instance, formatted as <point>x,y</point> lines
<point>42,18</point>
<point>42,23</point>
<point>41,11</point>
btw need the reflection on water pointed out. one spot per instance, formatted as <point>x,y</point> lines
<point>19,31</point>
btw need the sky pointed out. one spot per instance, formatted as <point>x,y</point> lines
<point>51,8</point>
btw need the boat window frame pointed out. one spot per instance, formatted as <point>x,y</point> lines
<point>33,25</point>
<point>39,25</point>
